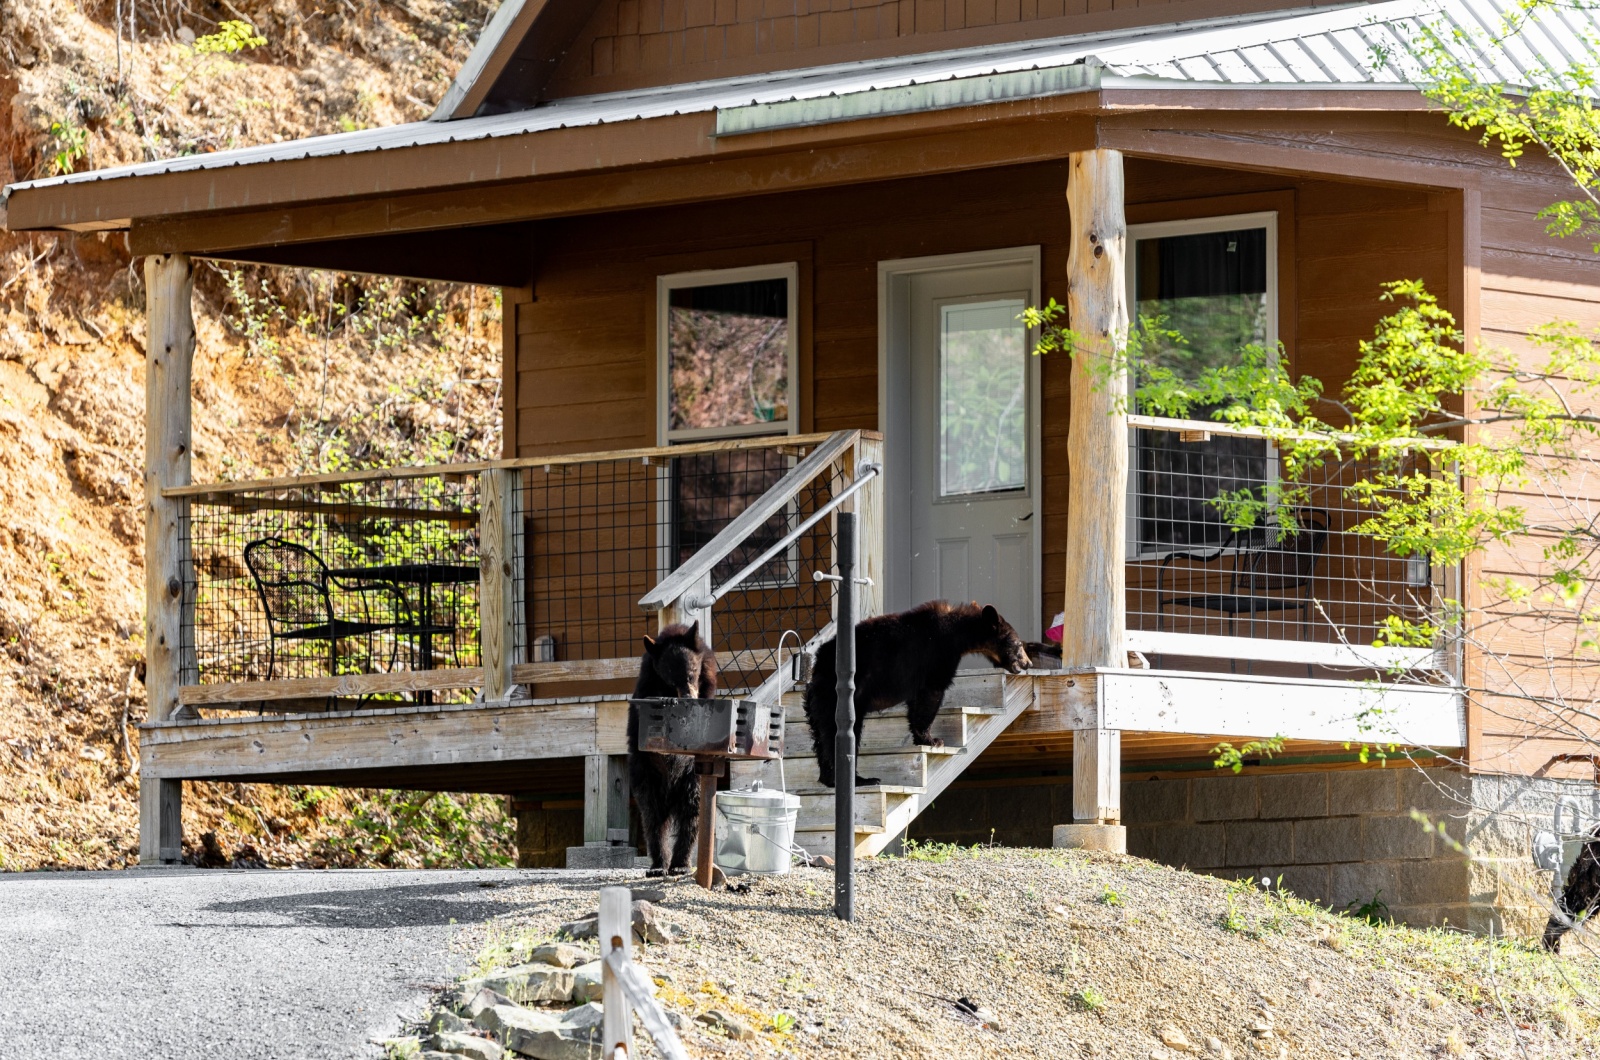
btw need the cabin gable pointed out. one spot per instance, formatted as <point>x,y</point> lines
<point>629,44</point>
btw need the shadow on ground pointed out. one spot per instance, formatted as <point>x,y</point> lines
<point>429,904</point>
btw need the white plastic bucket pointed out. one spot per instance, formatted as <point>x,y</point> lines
<point>755,830</point>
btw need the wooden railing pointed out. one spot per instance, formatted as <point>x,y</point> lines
<point>520,525</point>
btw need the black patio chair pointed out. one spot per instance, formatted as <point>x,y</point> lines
<point>1272,572</point>
<point>296,593</point>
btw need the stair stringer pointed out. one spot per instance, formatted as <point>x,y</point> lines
<point>1018,693</point>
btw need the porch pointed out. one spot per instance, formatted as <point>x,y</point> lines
<point>476,627</point>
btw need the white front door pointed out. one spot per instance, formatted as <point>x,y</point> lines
<point>969,462</point>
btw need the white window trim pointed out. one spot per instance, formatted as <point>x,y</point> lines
<point>1267,219</point>
<point>789,271</point>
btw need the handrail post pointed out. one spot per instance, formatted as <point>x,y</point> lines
<point>682,610</point>
<point>499,525</point>
<point>844,756</point>
<point>869,505</point>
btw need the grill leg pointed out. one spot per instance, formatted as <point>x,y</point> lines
<point>707,770</point>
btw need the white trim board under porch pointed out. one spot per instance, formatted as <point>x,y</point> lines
<point>1237,705</point>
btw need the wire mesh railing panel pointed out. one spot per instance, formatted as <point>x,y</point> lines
<point>373,576</point>
<point>598,535</point>
<point>1221,544</point>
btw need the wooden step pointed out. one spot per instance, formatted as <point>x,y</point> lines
<point>907,769</point>
<point>871,806</point>
<point>881,735</point>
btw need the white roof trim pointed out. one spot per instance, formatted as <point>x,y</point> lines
<point>499,25</point>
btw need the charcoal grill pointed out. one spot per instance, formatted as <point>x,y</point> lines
<point>713,731</point>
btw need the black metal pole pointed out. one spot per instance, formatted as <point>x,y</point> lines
<point>844,755</point>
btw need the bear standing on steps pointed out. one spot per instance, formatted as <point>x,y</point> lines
<point>676,664</point>
<point>908,658</point>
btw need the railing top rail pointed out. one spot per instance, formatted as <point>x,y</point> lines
<point>1164,423</point>
<point>733,535</point>
<point>208,489</point>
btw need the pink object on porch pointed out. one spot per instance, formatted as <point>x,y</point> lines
<point>1057,628</point>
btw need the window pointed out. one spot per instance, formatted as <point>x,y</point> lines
<point>1213,281</point>
<point>727,343</point>
<point>983,398</point>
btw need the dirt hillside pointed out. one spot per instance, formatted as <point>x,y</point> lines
<point>295,372</point>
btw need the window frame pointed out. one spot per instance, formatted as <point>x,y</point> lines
<point>1267,219</point>
<point>665,284</point>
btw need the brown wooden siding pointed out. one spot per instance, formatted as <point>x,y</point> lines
<point>633,43</point>
<point>1541,682</point>
<point>585,344</point>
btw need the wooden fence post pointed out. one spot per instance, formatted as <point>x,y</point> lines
<point>615,928</point>
<point>1097,453</point>
<point>169,360</point>
<point>499,533</point>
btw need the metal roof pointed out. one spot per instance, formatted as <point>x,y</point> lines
<point>1359,46</point>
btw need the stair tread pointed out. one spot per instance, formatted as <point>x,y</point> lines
<point>887,789</point>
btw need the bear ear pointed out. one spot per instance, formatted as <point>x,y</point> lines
<point>651,646</point>
<point>990,614</point>
<point>694,631</point>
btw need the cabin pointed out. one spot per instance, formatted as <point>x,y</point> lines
<point>763,261</point>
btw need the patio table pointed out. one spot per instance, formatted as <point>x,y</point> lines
<point>426,576</point>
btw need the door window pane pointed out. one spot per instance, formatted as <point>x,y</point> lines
<point>1211,288</point>
<point>728,354</point>
<point>983,398</point>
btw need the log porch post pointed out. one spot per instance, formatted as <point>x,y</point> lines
<point>1097,453</point>
<point>169,359</point>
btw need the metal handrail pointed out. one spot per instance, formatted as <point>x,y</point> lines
<point>684,580</point>
<point>865,472</point>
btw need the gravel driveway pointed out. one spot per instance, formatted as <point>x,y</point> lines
<point>155,964</point>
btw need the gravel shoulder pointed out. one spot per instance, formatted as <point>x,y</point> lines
<point>1075,954</point>
<point>156,964</point>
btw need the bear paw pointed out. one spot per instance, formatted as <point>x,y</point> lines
<point>867,782</point>
<point>678,870</point>
<point>657,871</point>
<point>924,740</point>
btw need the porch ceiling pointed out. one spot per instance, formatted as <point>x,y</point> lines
<point>877,120</point>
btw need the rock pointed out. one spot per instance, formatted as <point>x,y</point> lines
<point>557,953</point>
<point>575,1036</point>
<point>1174,1038</point>
<point>646,928</point>
<point>650,894</point>
<point>587,928</point>
<point>1215,1047</point>
<point>470,1046</point>
<point>718,1020</point>
<point>501,1020</point>
<point>822,861</point>
<point>527,984</point>
<point>482,999</point>
<point>586,982</point>
<point>446,1021</point>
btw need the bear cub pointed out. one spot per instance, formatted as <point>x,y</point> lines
<point>675,664</point>
<point>909,658</point>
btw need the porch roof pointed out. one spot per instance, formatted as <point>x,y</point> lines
<point>1363,46</point>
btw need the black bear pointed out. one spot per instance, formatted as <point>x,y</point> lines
<point>1580,898</point>
<point>678,664</point>
<point>908,658</point>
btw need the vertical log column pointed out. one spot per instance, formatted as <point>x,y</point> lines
<point>169,357</point>
<point>1097,452</point>
<point>499,536</point>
